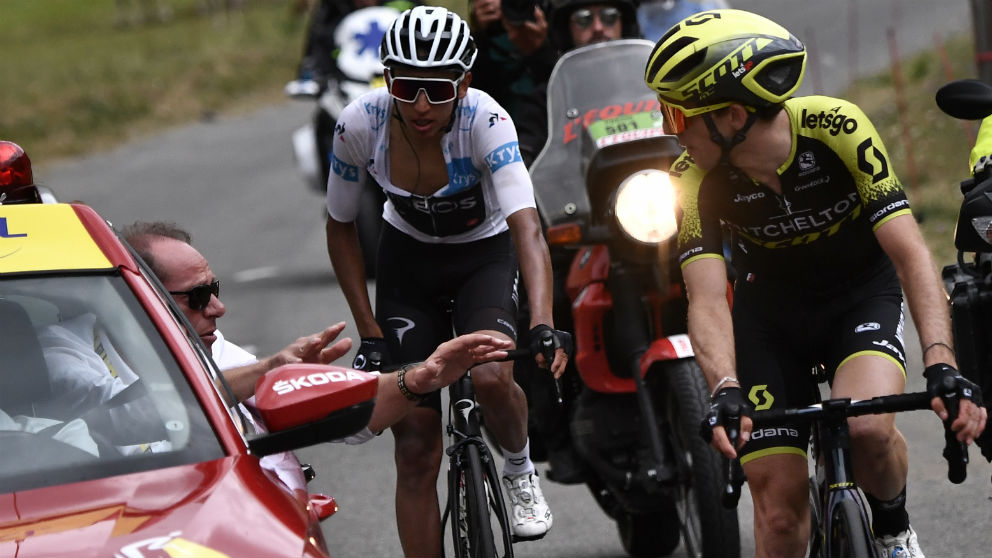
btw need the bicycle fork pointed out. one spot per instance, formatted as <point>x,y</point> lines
<point>838,477</point>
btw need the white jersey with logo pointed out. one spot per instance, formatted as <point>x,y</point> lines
<point>487,179</point>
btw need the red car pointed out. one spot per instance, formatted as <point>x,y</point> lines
<point>118,436</point>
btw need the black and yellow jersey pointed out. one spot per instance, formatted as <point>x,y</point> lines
<point>838,186</point>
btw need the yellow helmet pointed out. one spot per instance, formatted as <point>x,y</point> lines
<point>711,59</point>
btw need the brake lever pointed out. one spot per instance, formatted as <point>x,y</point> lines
<point>955,451</point>
<point>732,475</point>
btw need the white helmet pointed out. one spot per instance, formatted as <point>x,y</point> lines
<point>428,37</point>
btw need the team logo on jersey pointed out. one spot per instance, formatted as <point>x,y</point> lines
<point>807,161</point>
<point>495,118</point>
<point>867,326</point>
<point>503,155</point>
<point>871,158</point>
<point>748,198</point>
<point>344,170</point>
<point>833,121</point>
<point>761,397</point>
<point>339,129</point>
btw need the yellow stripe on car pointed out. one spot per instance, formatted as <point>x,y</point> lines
<point>46,237</point>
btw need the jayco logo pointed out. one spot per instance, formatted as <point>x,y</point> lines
<point>833,121</point>
<point>748,198</point>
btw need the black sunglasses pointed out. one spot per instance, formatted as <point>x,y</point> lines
<point>583,18</point>
<point>199,295</point>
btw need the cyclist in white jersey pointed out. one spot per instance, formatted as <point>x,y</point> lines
<point>459,219</point>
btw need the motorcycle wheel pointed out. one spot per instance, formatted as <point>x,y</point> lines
<point>649,534</point>
<point>708,529</point>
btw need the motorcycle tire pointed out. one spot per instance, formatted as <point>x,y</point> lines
<point>649,534</point>
<point>708,528</point>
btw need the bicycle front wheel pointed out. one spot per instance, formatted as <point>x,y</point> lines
<point>472,531</point>
<point>848,533</point>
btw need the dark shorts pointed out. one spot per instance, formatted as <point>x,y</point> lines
<point>782,333</point>
<point>416,282</point>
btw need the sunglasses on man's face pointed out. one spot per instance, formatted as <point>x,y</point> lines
<point>438,90</point>
<point>583,18</point>
<point>199,295</point>
<point>674,118</point>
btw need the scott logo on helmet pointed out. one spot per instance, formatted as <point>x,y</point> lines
<point>730,65</point>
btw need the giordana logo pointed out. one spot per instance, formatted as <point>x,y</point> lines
<point>760,433</point>
<point>282,387</point>
<point>807,160</point>
<point>832,121</point>
<point>748,198</point>
<point>867,326</point>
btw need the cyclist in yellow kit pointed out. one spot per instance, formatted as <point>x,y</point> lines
<point>824,244</point>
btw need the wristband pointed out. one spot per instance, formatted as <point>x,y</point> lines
<point>938,343</point>
<point>722,381</point>
<point>401,384</point>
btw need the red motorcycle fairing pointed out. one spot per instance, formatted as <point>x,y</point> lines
<point>586,286</point>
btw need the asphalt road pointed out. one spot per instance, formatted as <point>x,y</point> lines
<point>231,182</point>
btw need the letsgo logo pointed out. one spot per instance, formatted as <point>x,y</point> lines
<point>833,121</point>
<point>282,387</point>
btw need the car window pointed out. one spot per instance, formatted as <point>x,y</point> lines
<point>88,389</point>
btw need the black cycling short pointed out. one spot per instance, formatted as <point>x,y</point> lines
<point>782,332</point>
<point>417,281</point>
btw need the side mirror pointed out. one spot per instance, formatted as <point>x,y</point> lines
<point>968,99</point>
<point>306,404</point>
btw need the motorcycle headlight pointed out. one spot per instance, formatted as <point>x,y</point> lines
<point>645,206</point>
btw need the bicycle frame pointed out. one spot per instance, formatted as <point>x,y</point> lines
<point>472,471</point>
<point>831,445</point>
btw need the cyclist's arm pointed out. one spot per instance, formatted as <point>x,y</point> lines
<point>349,269</point>
<point>901,239</point>
<point>711,331</point>
<point>345,181</point>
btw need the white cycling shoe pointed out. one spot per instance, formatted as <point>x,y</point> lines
<point>903,545</point>
<point>530,516</point>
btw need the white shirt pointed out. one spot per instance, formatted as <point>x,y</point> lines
<point>480,148</point>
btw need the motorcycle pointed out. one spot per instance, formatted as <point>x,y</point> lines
<point>357,39</point>
<point>969,281</point>
<point>634,396</point>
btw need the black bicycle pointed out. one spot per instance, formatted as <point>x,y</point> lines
<point>480,525</point>
<point>838,514</point>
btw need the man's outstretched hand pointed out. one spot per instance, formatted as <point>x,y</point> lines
<point>452,358</point>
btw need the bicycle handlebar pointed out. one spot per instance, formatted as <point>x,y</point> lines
<point>955,452</point>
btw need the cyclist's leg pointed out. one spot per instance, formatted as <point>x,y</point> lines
<point>406,309</point>
<point>487,302</point>
<point>774,367</point>
<point>871,363</point>
<point>779,485</point>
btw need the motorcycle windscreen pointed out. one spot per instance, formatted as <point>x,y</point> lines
<point>596,97</point>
